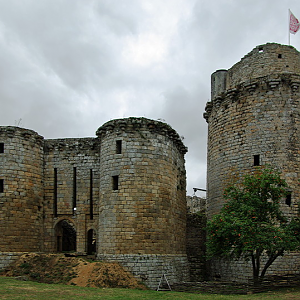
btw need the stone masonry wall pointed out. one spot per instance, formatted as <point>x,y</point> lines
<point>77,170</point>
<point>21,202</point>
<point>7,258</point>
<point>149,268</point>
<point>195,246</point>
<point>240,271</point>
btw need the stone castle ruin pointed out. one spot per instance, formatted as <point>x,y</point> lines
<point>121,195</point>
<point>254,119</point>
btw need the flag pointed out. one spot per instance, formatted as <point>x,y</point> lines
<point>294,24</point>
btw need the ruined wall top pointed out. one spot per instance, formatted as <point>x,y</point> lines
<point>141,124</point>
<point>265,68</point>
<point>26,134</point>
<point>71,144</point>
<point>264,60</point>
<point>270,59</point>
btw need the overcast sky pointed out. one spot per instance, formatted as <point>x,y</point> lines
<point>68,66</point>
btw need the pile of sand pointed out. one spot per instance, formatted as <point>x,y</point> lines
<point>56,268</point>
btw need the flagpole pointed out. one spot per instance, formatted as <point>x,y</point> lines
<point>289,19</point>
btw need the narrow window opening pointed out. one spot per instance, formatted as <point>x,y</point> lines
<point>59,243</point>
<point>260,50</point>
<point>91,195</point>
<point>279,55</point>
<point>256,160</point>
<point>115,182</point>
<point>91,242</point>
<point>1,185</point>
<point>1,147</point>
<point>74,189</point>
<point>55,193</point>
<point>288,199</point>
<point>119,147</point>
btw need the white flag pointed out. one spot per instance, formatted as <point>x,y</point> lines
<point>294,24</point>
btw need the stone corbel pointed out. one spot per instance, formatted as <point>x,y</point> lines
<point>295,86</point>
<point>208,107</point>
<point>273,83</point>
<point>218,100</point>
<point>250,86</point>
<point>231,93</point>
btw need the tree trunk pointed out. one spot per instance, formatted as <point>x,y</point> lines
<point>271,259</point>
<point>255,268</point>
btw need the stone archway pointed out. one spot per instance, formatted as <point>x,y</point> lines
<point>91,242</point>
<point>65,236</point>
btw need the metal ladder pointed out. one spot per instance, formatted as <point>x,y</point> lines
<point>163,277</point>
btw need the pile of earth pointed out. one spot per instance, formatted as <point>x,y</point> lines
<point>57,268</point>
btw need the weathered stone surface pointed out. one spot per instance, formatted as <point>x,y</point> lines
<point>127,186</point>
<point>254,118</point>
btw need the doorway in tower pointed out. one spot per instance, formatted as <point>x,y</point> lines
<point>65,236</point>
<point>91,242</point>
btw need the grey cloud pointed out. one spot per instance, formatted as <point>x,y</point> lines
<point>64,70</point>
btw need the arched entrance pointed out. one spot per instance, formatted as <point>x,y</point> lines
<point>91,242</point>
<point>65,236</point>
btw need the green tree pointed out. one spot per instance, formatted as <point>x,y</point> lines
<point>251,224</point>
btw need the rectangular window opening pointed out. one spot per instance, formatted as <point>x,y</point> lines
<point>1,185</point>
<point>91,195</point>
<point>1,147</point>
<point>118,146</point>
<point>55,193</point>
<point>256,160</point>
<point>115,182</point>
<point>288,199</point>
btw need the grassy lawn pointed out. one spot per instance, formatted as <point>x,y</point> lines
<point>11,288</point>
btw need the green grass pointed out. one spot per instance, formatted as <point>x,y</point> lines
<point>11,288</point>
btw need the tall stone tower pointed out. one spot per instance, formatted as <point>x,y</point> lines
<point>142,204</point>
<point>254,119</point>
<point>21,189</point>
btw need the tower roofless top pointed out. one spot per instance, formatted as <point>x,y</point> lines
<point>271,63</point>
<point>264,60</point>
<point>141,124</point>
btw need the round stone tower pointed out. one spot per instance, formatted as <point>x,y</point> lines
<point>21,189</point>
<point>142,217</point>
<point>254,119</point>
